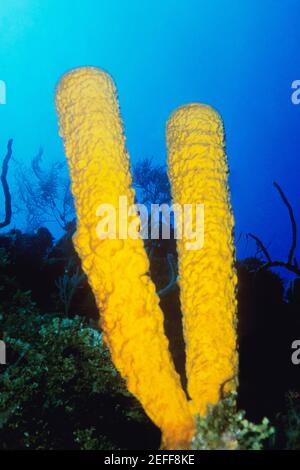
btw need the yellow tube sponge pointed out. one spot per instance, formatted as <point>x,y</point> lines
<point>117,269</point>
<point>207,278</point>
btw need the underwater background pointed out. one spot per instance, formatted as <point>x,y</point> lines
<point>241,58</point>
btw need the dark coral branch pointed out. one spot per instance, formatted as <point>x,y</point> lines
<point>7,195</point>
<point>291,264</point>
<point>293,222</point>
<point>261,246</point>
<point>273,264</point>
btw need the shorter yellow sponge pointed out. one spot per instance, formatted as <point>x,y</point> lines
<point>207,278</point>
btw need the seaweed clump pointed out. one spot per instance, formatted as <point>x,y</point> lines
<point>225,428</point>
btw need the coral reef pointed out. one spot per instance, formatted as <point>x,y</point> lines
<point>225,428</point>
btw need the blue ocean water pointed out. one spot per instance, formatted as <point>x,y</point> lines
<point>240,57</point>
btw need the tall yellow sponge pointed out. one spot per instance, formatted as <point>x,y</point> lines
<point>117,269</point>
<point>207,278</point>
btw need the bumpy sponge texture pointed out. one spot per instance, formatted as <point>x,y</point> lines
<point>207,278</point>
<point>117,270</point>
